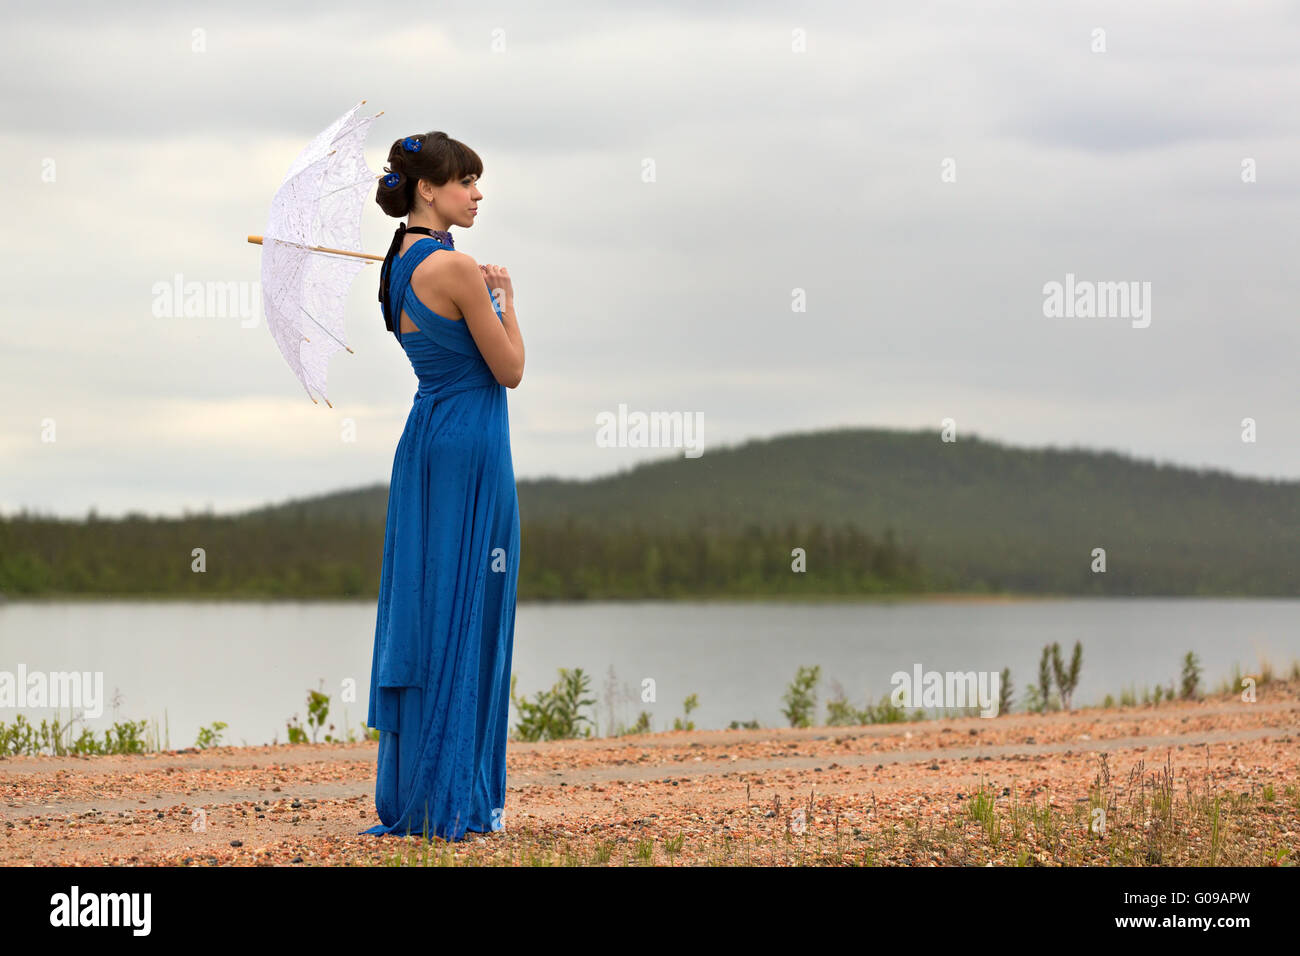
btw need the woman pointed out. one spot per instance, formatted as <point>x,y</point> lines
<point>439,683</point>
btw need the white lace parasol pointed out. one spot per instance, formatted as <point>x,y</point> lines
<point>311,251</point>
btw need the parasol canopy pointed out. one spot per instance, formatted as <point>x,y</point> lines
<point>311,250</point>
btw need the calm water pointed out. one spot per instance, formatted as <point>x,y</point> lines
<point>251,664</point>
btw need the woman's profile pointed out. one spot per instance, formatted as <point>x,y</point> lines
<point>444,634</point>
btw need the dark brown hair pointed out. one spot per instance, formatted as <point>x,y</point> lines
<point>439,159</point>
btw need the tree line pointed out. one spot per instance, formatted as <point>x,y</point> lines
<point>292,554</point>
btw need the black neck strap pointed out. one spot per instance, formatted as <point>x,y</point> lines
<point>391,322</point>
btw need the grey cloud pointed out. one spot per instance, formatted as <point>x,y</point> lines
<point>775,171</point>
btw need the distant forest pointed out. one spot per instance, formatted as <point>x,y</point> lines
<point>300,556</point>
<point>873,512</point>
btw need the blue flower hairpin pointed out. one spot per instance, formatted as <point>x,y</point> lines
<point>411,144</point>
<point>391,180</point>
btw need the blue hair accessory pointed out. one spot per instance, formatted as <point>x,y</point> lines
<point>411,144</point>
<point>391,180</point>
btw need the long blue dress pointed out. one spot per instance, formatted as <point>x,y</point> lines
<point>440,678</point>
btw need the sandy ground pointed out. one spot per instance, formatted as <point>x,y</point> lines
<point>851,791</point>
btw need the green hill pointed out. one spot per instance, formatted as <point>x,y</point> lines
<point>979,515</point>
<point>876,511</point>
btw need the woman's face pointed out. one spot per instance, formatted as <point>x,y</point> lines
<point>457,200</point>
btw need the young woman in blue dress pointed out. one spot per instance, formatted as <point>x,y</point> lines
<point>444,632</point>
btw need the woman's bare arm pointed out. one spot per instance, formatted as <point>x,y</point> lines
<point>498,340</point>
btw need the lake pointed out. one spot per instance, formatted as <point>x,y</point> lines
<point>251,664</point>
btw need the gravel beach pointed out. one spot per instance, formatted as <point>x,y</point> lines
<point>890,794</point>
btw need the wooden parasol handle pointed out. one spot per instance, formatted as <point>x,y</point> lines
<point>257,240</point>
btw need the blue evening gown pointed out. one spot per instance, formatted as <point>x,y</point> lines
<point>440,678</point>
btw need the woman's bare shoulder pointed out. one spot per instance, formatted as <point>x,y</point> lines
<point>447,267</point>
<point>448,260</point>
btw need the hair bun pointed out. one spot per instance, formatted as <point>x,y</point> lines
<point>392,193</point>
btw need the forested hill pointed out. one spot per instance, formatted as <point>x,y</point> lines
<point>977,515</point>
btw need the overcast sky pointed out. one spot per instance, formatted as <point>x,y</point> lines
<point>795,147</point>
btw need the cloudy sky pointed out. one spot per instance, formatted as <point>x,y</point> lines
<point>914,173</point>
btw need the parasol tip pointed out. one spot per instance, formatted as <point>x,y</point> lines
<point>327,402</point>
<point>257,240</point>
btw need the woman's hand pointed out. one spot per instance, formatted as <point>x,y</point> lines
<point>498,278</point>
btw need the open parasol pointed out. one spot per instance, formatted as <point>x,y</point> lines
<point>311,250</point>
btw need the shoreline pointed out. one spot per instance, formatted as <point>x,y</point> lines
<point>920,597</point>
